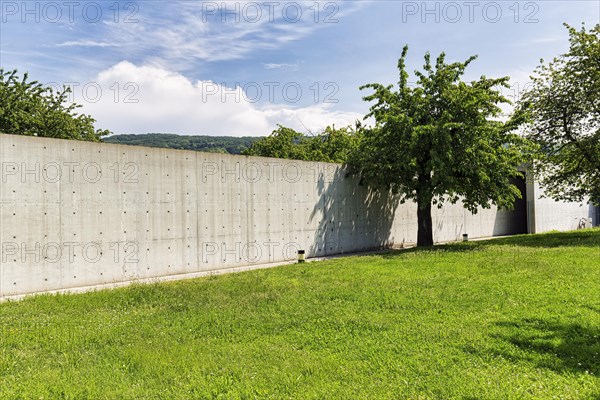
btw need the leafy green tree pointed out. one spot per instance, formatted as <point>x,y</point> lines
<point>439,140</point>
<point>332,145</point>
<point>281,143</point>
<point>562,110</point>
<point>30,108</point>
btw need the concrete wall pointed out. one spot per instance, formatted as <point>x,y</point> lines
<point>552,215</point>
<point>76,214</point>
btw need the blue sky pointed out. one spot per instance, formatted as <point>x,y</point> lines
<point>154,66</point>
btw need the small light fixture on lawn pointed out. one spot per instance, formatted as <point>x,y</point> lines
<point>301,257</point>
<point>465,237</point>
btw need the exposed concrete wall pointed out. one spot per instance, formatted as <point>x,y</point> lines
<point>553,215</point>
<point>76,214</point>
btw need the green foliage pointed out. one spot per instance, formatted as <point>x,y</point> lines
<point>282,143</point>
<point>514,318</point>
<point>334,145</point>
<point>563,116</point>
<point>30,108</point>
<point>440,140</point>
<point>210,144</point>
<point>331,145</point>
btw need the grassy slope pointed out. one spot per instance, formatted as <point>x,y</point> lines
<point>507,319</point>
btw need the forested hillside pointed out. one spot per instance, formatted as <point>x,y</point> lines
<point>213,144</point>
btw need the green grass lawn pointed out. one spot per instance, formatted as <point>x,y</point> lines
<point>512,318</point>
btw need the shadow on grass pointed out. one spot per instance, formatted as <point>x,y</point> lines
<point>563,348</point>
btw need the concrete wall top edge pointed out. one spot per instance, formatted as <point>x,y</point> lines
<point>159,150</point>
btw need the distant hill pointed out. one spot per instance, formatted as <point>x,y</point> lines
<point>211,144</point>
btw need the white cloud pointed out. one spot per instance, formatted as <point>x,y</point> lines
<point>85,43</point>
<point>180,34</point>
<point>278,66</point>
<point>312,118</point>
<point>141,99</point>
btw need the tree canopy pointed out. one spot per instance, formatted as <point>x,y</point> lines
<point>30,108</point>
<point>562,111</point>
<point>440,140</point>
<point>331,145</point>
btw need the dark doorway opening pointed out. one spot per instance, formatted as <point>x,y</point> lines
<point>513,222</point>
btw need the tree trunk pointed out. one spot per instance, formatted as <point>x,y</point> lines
<point>425,226</point>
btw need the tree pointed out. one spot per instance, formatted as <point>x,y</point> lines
<point>438,141</point>
<point>281,143</point>
<point>30,108</point>
<point>562,111</point>
<point>332,145</point>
